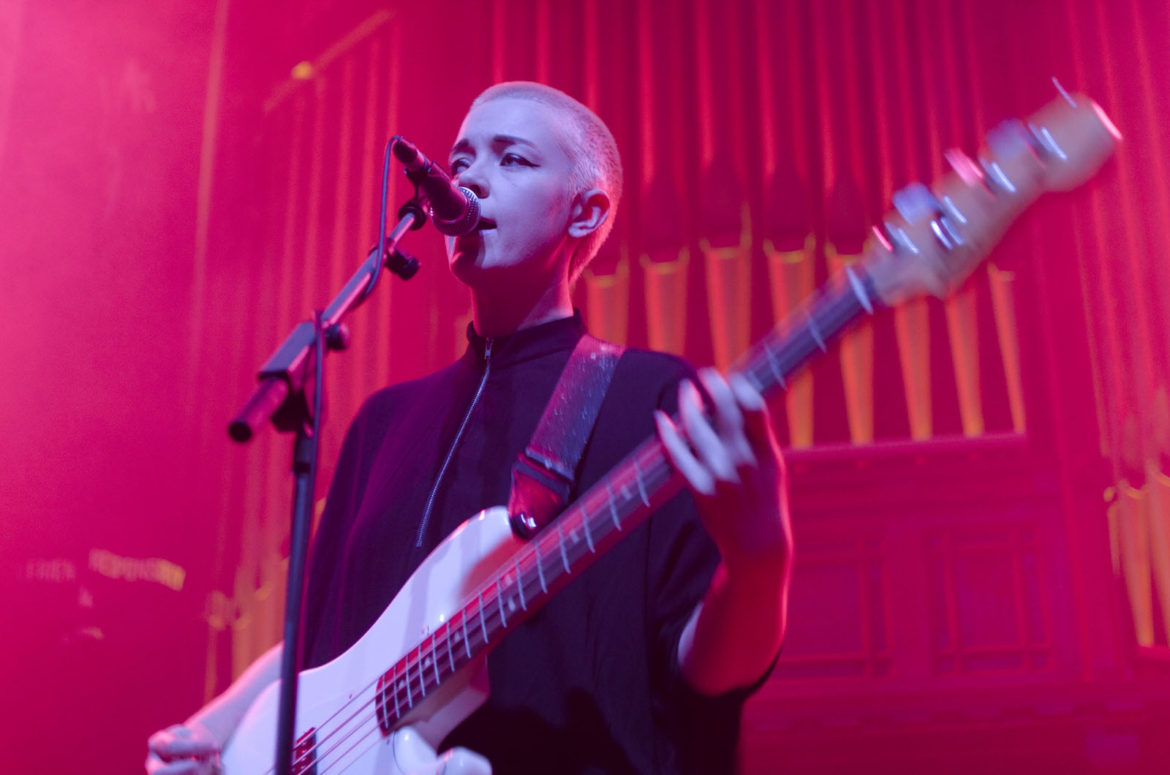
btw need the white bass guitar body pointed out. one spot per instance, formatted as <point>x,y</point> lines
<point>338,727</point>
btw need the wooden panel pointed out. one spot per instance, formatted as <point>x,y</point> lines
<point>839,620</point>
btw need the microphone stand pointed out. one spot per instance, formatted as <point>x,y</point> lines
<point>290,395</point>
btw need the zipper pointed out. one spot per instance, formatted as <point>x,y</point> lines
<point>487,360</point>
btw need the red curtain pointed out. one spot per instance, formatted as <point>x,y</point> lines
<point>180,183</point>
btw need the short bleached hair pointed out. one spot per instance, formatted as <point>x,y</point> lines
<point>596,161</point>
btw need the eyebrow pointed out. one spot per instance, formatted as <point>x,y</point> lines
<point>498,140</point>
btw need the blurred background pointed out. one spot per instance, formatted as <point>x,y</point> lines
<point>980,488</point>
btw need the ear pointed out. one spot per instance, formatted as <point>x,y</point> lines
<point>590,209</point>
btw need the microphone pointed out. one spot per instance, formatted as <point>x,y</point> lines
<point>455,209</point>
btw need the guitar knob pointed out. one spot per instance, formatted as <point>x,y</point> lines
<point>524,525</point>
<point>898,239</point>
<point>1007,142</point>
<point>916,202</point>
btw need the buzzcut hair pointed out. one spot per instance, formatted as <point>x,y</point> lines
<point>596,161</point>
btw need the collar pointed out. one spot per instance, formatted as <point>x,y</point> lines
<point>527,343</point>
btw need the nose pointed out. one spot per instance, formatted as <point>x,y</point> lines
<point>473,178</point>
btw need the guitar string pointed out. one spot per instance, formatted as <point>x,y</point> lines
<point>525,554</point>
<point>317,762</point>
<point>320,756</point>
<point>323,768</point>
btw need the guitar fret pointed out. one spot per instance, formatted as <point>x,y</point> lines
<point>771,357</point>
<point>859,289</point>
<point>755,381</point>
<point>482,619</point>
<point>816,335</point>
<point>500,601</point>
<point>422,680</point>
<point>588,533</point>
<point>409,693</point>
<point>463,623</point>
<point>435,662</point>
<point>638,481</point>
<point>520,587</point>
<point>394,683</point>
<point>613,512</point>
<point>561,543</point>
<point>450,656</point>
<point>540,567</point>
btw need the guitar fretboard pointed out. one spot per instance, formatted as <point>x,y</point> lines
<point>611,508</point>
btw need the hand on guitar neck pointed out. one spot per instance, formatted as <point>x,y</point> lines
<point>732,463</point>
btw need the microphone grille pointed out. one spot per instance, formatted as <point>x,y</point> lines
<point>467,223</point>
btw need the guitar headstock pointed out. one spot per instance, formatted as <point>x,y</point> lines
<point>935,238</point>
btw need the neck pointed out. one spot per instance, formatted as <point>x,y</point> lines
<point>499,313</point>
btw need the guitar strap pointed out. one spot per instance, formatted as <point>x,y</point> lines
<point>544,472</point>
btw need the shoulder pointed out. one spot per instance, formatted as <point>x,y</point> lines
<point>650,362</point>
<point>653,374</point>
<point>390,405</point>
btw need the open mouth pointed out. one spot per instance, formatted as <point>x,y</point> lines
<point>485,224</point>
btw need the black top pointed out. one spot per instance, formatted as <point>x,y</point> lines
<point>590,684</point>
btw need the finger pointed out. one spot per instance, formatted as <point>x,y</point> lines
<point>156,766</point>
<point>709,448</point>
<point>681,457</point>
<point>729,419</point>
<point>161,741</point>
<point>757,421</point>
<point>179,747</point>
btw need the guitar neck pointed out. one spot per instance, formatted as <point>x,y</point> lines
<point>605,513</point>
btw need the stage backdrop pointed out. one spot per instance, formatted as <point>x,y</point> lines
<point>181,185</point>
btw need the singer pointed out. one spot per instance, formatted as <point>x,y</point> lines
<point>642,664</point>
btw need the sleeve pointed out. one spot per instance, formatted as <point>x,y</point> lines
<point>682,562</point>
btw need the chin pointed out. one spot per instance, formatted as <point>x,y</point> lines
<point>465,263</point>
<point>476,274</point>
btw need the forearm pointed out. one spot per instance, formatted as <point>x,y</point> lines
<point>222,715</point>
<point>736,631</point>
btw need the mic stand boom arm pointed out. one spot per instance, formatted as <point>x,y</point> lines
<point>283,377</point>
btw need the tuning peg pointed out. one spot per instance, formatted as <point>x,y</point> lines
<point>965,167</point>
<point>1047,142</point>
<point>1007,142</point>
<point>916,202</point>
<point>1067,98</point>
<point>897,237</point>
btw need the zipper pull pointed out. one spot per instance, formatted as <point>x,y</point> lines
<point>487,350</point>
